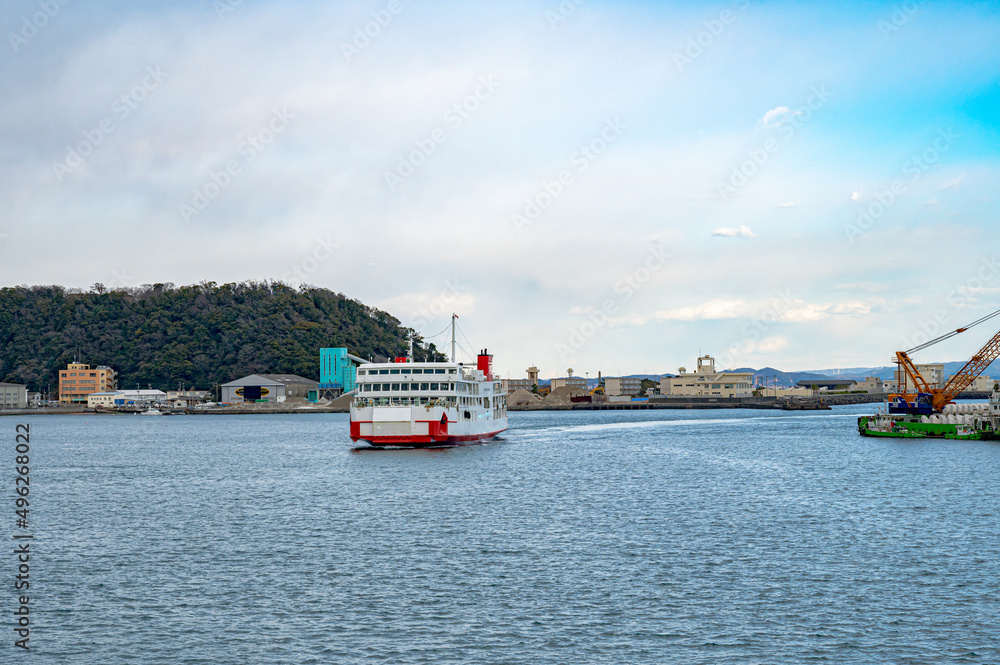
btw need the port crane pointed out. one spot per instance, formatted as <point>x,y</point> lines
<point>927,399</point>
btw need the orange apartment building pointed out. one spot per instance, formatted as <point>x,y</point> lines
<point>79,380</point>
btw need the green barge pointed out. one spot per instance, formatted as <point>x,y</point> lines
<point>907,428</point>
<point>968,422</point>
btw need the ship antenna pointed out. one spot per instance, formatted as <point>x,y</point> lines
<point>411,347</point>
<point>453,317</point>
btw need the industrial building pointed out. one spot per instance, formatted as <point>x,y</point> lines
<point>78,381</point>
<point>624,385</point>
<point>13,396</point>
<point>186,398</point>
<point>871,385</point>
<point>511,385</point>
<point>271,388</point>
<point>933,373</point>
<point>705,381</point>
<point>338,370</point>
<point>570,381</point>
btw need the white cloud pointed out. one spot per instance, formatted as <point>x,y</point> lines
<point>770,344</point>
<point>734,232</point>
<point>718,308</point>
<point>856,196</point>
<point>777,115</point>
<point>789,204</point>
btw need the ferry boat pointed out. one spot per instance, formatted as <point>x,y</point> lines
<point>425,404</point>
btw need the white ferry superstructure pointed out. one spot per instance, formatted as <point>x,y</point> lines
<point>421,404</point>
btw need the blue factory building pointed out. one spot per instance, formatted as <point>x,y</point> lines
<point>337,371</point>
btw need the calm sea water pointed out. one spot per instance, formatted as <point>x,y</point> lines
<point>652,537</point>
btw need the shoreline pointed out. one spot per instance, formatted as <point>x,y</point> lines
<point>677,403</point>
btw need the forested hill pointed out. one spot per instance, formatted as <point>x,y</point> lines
<point>199,335</point>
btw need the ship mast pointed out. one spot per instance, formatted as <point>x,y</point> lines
<point>453,317</point>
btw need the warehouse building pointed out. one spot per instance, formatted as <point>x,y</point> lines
<point>271,388</point>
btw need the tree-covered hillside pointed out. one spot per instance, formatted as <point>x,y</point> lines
<point>200,335</point>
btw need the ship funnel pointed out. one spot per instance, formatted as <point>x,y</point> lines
<point>485,364</point>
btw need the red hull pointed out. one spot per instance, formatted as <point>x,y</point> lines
<point>426,441</point>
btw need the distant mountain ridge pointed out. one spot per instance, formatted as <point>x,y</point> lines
<point>776,377</point>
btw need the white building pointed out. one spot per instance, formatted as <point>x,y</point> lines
<point>570,381</point>
<point>932,373</point>
<point>13,396</point>
<point>705,381</point>
<point>625,385</point>
<point>982,384</point>
<point>125,398</point>
<point>871,385</point>
<point>186,398</point>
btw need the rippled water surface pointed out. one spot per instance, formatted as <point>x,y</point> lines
<point>651,537</point>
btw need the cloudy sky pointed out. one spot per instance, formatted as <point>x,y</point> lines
<point>608,186</point>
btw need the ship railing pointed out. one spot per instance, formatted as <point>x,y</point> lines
<point>429,402</point>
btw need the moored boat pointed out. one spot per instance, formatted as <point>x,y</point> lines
<point>957,421</point>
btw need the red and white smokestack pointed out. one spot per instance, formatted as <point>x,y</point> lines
<point>485,364</point>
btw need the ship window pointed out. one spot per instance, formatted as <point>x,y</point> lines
<point>434,386</point>
<point>404,386</point>
<point>405,370</point>
<point>451,371</point>
<point>425,386</point>
<point>440,371</point>
<point>393,371</point>
<point>377,387</point>
<point>383,371</point>
<point>395,386</point>
<point>418,371</point>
